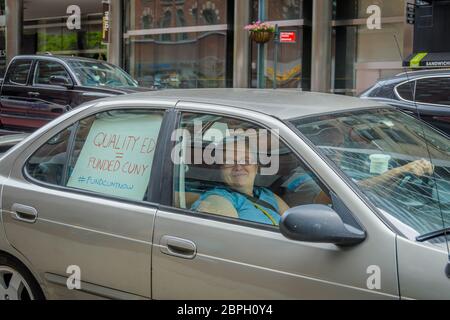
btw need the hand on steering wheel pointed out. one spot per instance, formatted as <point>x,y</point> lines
<point>111,82</point>
<point>419,171</point>
<point>418,168</point>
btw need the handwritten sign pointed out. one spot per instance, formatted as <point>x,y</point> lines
<point>117,156</point>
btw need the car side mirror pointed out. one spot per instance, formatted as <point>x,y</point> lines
<point>60,81</point>
<point>319,224</point>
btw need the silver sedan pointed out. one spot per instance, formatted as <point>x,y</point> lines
<point>227,194</point>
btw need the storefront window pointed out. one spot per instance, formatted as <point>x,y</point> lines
<point>51,27</point>
<point>293,63</point>
<point>344,52</point>
<point>150,14</point>
<point>178,44</point>
<point>275,10</point>
<point>294,59</point>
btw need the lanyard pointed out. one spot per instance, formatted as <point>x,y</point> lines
<point>265,213</point>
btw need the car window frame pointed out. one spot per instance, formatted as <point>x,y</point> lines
<point>415,80</point>
<point>153,183</point>
<point>8,72</point>
<point>42,85</point>
<point>168,183</point>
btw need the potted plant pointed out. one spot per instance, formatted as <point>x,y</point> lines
<point>261,32</point>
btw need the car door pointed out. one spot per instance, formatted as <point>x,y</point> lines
<point>15,100</point>
<point>77,204</point>
<point>198,255</point>
<point>50,100</point>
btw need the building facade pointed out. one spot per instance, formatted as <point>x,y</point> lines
<point>340,45</point>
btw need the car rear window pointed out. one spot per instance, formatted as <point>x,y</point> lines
<point>434,90</point>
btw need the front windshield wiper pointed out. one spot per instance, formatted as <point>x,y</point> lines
<point>433,235</point>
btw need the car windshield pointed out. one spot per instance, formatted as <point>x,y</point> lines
<point>387,153</point>
<point>98,74</point>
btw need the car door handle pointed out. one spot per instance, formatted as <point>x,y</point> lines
<point>177,247</point>
<point>34,94</point>
<point>24,213</point>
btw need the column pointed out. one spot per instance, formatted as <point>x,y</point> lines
<point>321,46</point>
<point>115,33</point>
<point>14,20</point>
<point>241,44</point>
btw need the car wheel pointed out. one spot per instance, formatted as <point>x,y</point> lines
<point>16,282</point>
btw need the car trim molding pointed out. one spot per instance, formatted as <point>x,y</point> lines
<point>94,289</point>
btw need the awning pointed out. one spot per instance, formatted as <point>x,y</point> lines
<point>428,60</point>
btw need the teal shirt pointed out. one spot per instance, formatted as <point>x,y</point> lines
<point>245,208</point>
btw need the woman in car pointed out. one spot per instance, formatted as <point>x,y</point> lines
<point>239,197</point>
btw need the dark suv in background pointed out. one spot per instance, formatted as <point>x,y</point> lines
<point>425,91</point>
<point>38,88</point>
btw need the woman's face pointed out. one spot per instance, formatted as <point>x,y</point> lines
<point>240,175</point>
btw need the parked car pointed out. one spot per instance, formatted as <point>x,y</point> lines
<point>120,196</point>
<point>427,92</point>
<point>39,88</point>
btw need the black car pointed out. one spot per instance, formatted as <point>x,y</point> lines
<point>38,88</point>
<point>425,93</point>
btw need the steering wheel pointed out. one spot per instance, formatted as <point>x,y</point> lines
<point>111,82</point>
<point>421,185</point>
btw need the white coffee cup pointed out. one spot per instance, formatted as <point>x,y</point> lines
<point>379,163</point>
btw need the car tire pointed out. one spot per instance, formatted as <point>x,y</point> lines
<point>17,282</point>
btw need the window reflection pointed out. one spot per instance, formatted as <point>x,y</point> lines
<point>163,58</point>
<point>148,14</point>
<point>284,9</point>
<point>45,29</point>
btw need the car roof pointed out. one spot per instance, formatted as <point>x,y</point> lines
<point>60,57</point>
<point>281,103</point>
<point>420,73</point>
